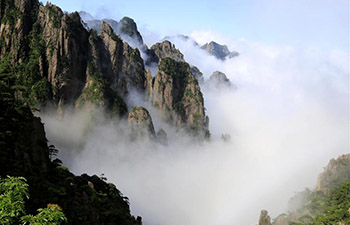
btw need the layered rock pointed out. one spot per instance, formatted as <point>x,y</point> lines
<point>141,123</point>
<point>176,92</point>
<point>219,51</point>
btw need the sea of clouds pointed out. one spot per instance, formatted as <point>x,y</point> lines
<point>288,116</point>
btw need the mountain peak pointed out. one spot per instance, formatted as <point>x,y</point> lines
<point>219,51</point>
<point>86,16</point>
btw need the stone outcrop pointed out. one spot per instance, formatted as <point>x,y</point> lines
<point>64,63</point>
<point>24,152</point>
<point>127,65</point>
<point>166,49</point>
<point>219,51</point>
<point>68,66</point>
<point>218,80</point>
<point>141,123</point>
<point>16,22</point>
<point>309,204</point>
<point>336,171</point>
<point>176,92</point>
<point>264,218</point>
<point>126,27</point>
<point>197,74</point>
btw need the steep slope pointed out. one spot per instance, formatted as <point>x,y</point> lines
<point>329,203</point>
<point>24,152</point>
<point>141,123</point>
<point>62,63</point>
<point>126,27</point>
<point>176,92</point>
<point>166,49</point>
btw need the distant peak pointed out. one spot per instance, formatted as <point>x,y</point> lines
<point>86,16</point>
<point>218,50</point>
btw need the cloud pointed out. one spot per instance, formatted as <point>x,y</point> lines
<point>287,118</point>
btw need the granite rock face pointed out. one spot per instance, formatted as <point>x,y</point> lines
<point>127,64</point>
<point>336,171</point>
<point>65,61</point>
<point>126,27</point>
<point>176,92</point>
<point>166,49</point>
<point>141,123</point>
<point>68,66</point>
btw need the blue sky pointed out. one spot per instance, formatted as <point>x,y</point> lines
<point>321,23</point>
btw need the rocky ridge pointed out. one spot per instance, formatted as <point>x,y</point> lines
<point>126,27</point>
<point>329,203</point>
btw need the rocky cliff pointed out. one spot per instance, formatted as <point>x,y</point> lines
<point>126,27</point>
<point>24,152</point>
<point>63,64</point>
<point>166,49</point>
<point>176,92</point>
<point>329,203</point>
<point>141,123</point>
<point>334,174</point>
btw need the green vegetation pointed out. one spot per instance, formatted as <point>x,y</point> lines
<point>99,92</point>
<point>128,27</point>
<point>24,152</point>
<point>186,93</point>
<point>13,193</point>
<point>329,203</point>
<point>328,209</point>
<point>55,15</point>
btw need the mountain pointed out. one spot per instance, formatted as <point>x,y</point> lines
<point>25,153</point>
<point>329,203</point>
<point>126,28</point>
<point>219,80</point>
<point>85,16</point>
<point>219,51</point>
<point>50,60</point>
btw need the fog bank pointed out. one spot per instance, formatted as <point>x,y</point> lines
<point>287,118</point>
